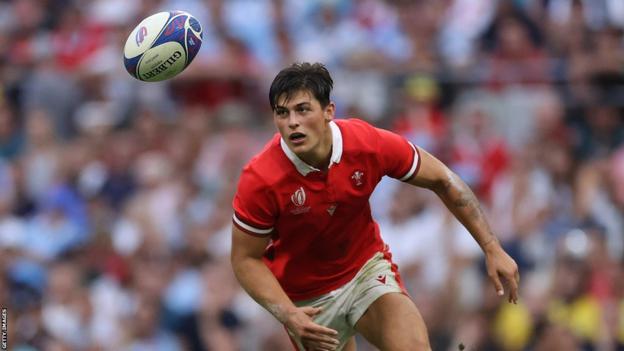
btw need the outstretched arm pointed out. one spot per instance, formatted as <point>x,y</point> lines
<point>462,202</point>
<point>260,283</point>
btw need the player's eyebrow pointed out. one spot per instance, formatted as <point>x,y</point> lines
<point>301,104</point>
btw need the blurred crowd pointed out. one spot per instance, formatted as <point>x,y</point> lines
<point>115,196</point>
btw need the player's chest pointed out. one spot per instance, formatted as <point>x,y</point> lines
<point>341,190</point>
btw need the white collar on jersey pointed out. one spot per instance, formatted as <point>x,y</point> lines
<point>305,168</point>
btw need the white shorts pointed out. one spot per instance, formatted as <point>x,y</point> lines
<point>343,307</point>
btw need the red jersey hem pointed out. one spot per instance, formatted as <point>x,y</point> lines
<point>345,280</point>
<point>308,296</point>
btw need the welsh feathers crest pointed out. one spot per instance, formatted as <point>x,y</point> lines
<point>358,178</point>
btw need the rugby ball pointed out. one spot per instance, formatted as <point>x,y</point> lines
<point>162,45</point>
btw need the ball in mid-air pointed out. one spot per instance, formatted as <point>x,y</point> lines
<point>162,45</point>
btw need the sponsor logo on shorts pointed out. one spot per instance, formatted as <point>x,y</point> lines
<point>381,278</point>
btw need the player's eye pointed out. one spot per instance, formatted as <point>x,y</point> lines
<point>281,113</point>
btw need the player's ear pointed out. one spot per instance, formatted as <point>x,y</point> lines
<point>330,109</point>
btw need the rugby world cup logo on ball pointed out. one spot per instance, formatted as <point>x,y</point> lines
<point>162,45</point>
<point>140,35</point>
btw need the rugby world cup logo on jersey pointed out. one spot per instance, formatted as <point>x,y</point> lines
<point>358,178</point>
<point>298,198</point>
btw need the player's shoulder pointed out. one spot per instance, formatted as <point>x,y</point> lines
<point>355,125</point>
<point>357,133</point>
<point>264,167</point>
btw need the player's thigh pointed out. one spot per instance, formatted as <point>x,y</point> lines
<point>393,323</point>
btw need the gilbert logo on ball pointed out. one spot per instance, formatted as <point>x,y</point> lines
<point>162,45</point>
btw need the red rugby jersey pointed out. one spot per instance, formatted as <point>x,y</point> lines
<point>320,223</point>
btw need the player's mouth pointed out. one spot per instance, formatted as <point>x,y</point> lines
<point>297,138</point>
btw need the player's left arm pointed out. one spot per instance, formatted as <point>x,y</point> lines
<point>462,202</point>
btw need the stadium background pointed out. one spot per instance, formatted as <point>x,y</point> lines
<point>115,194</point>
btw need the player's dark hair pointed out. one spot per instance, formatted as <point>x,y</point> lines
<point>312,77</point>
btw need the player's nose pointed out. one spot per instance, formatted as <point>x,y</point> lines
<point>293,120</point>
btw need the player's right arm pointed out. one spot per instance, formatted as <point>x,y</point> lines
<point>426,171</point>
<point>260,283</point>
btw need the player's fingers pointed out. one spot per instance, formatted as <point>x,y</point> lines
<point>319,333</point>
<point>314,341</point>
<point>513,297</point>
<point>321,346</point>
<point>497,284</point>
<point>513,293</point>
<point>321,330</point>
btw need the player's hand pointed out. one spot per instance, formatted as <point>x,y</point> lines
<point>313,336</point>
<point>500,264</point>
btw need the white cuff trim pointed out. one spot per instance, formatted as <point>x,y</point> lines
<point>250,228</point>
<point>414,164</point>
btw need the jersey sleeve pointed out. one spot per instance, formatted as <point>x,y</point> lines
<point>254,208</point>
<point>399,158</point>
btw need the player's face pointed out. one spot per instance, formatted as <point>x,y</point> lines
<point>304,126</point>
